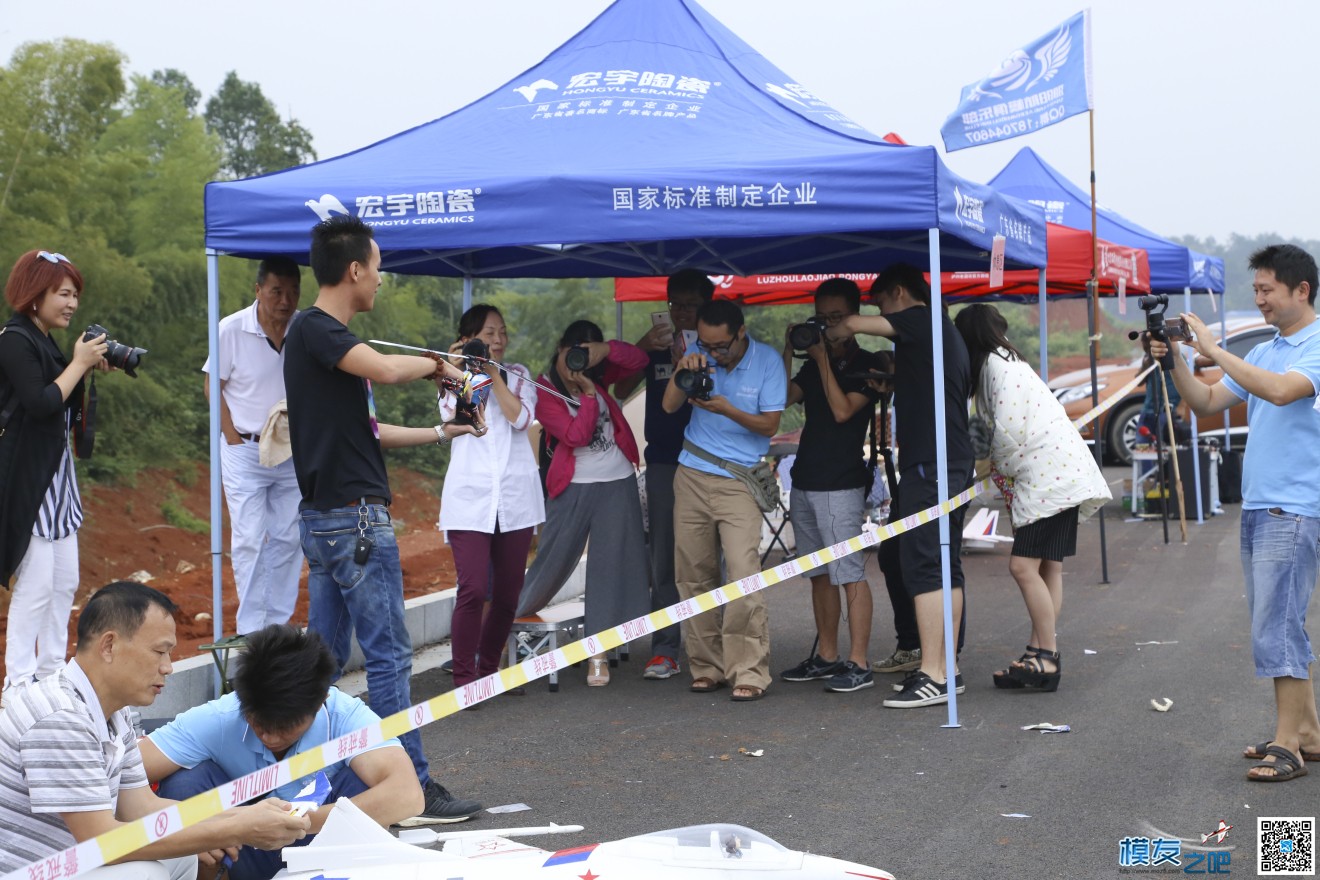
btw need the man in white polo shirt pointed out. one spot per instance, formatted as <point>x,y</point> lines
<point>263,501</point>
<point>70,769</point>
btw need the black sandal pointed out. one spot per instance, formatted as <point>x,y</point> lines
<point>1002,677</point>
<point>1285,765</point>
<point>1031,673</point>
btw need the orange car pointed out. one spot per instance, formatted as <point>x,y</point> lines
<point>1118,425</point>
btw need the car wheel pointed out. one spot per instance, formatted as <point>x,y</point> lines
<point>1121,431</point>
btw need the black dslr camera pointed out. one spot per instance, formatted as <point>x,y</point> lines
<point>118,355</point>
<point>1155,305</point>
<point>474,352</point>
<point>696,384</point>
<point>810,332</point>
<point>577,358</point>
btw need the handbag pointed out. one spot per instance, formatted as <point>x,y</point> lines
<point>759,479</point>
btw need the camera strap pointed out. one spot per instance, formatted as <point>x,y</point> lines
<point>84,424</point>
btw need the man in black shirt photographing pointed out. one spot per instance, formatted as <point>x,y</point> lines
<point>904,299</point>
<point>831,479</point>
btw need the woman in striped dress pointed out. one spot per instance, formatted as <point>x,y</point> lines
<point>40,509</point>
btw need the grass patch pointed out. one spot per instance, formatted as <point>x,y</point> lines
<point>178,516</point>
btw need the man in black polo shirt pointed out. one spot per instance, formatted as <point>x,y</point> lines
<point>354,578</point>
<point>904,299</point>
<point>830,482</point>
<point>688,291</point>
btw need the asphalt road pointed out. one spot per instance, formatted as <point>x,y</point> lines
<point>843,776</point>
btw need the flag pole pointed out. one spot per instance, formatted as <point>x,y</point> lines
<point>1093,324</point>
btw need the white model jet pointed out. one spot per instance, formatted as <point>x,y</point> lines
<point>982,531</point>
<point>353,847</point>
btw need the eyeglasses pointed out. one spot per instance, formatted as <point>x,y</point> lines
<point>721,350</point>
<point>54,258</point>
<point>684,307</point>
<point>831,319</point>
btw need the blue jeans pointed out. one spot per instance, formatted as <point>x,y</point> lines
<point>368,598</point>
<point>252,863</point>
<point>1280,559</point>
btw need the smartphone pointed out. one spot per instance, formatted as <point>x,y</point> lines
<point>1176,328</point>
<point>661,319</point>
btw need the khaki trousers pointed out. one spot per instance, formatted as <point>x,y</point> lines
<point>713,514</point>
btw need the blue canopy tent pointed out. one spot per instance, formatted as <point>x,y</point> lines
<point>1174,268</point>
<point>653,139</point>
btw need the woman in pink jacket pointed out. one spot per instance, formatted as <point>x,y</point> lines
<point>591,488</point>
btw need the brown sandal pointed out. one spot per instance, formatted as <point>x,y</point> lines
<point>756,693</point>
<point>705,685</point>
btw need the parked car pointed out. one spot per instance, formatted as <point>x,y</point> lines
<point>1118,425</point>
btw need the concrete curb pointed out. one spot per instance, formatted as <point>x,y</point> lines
<point>427,618</point>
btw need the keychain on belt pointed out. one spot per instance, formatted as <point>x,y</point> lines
<point>362,549</point>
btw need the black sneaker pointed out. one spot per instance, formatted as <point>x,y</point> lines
<point>958,686</point>
<point>923,691</point>
<point>851,678</point>
<point>813,668</point>
<point>442,808</point>
<point>448,666</point>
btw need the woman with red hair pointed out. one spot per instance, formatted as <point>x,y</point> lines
<point>40,509</point>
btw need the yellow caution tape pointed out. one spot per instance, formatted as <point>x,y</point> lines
<point>128,838</point>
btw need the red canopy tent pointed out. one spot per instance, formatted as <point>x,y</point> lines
<point>1066,276</point>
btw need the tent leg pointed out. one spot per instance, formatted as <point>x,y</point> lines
<point>1223,334</point>
<point>1099,447</point>
<point>1196,452</point>
<point>467,292</point>
<point>1044,330</point>
<point>942,474</point>
<point>217,520</point>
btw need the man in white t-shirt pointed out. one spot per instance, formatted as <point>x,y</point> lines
<point>263,501</point>
<point>70,769</point>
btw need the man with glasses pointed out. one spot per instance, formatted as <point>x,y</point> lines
<point>263,500</point>
<point>714,512</point>
<point>282,705</point>
<point>688,290</point>
<point>830,482</point>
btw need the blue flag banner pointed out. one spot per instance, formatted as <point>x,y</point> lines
<point>1040,84</point>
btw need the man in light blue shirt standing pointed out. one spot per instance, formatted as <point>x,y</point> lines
<point>1279,380</point>
<point>714,511</point>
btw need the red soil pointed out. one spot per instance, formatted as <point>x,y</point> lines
<point>124,531</point>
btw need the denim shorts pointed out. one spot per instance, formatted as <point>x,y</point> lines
<point>1280,560</point>
<point>822,519</point>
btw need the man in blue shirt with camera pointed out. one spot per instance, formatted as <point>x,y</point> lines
<point>1279,380</point>
<point>714,511</point>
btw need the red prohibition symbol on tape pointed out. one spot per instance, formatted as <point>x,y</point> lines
<point>418,715</point>
<point>592,646</point>
<point>162,823</point>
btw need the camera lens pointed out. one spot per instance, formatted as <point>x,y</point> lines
<point>576,359</point>
<point>803,336</point>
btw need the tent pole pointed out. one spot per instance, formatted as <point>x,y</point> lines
<point>1196,446</point>
<point>213,382</point>
<point>1044,330</point>
<point>942,474</point>
<point>467,292</point>
<point>1093,324</point>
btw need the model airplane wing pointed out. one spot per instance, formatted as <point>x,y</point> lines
<point>982,531</point>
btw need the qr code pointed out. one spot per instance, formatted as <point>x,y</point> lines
<point>1285,846</point>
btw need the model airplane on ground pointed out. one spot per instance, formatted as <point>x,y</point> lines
<point>353,847</point>
<point>982,531</point>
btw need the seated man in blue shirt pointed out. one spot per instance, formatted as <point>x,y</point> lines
<point>282,704</point>
<point>715,512</point>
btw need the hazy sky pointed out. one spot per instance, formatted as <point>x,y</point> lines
<point>1206,112</point>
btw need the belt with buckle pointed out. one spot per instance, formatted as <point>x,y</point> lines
<point>367,500</point>
<point>255,438</point>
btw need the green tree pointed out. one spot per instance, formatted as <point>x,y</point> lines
<point>171,78</point>
<point>255,140</point>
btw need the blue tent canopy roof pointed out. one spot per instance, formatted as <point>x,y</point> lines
<point>654,138</point>
<point>1173,267</point>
